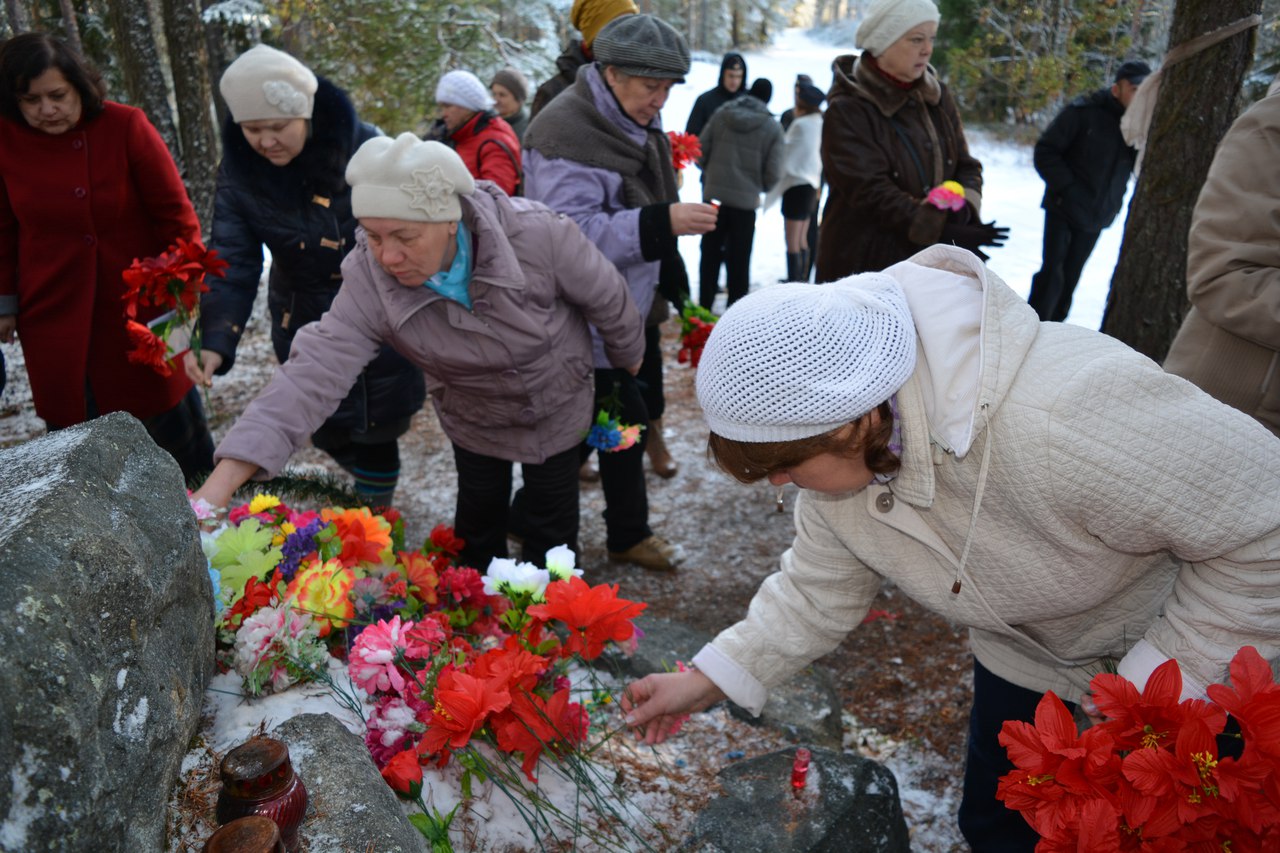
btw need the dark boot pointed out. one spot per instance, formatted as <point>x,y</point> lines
<point>793,266</point>
<point>802,267</point>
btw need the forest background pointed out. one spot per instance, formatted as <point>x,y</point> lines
<point>1011,65</point>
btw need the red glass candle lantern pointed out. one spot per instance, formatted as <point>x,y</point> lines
<point>800,770</point>
<point>252,834</point>
<point>258,779</point>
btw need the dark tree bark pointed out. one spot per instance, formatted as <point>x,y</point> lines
<point>1199,98</point>
<point>70,28</point>
<point>189,61</point>
<point>18,15</point>
<point>141,67</point>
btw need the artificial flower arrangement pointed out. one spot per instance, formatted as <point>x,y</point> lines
<point>948,195</point>
<point>685,149</point>
<point>695,327</point>
<point>1158,774</point>
<point>172,283</point>
<point>608,433</point>
<point>455,667</point>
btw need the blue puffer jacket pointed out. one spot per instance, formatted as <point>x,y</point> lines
<point>302,213</point>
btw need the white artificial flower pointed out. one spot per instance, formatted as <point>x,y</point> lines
<point>561,563</point>
<point>506,577</point>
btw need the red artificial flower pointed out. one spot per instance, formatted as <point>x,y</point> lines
<point>512,665</point>
<point>1254,700</point>
<point>422,574</point>
<point>463,703</point>
<point>1148,720</point>
<point>146,348</point>
<point>531,724</point>
<point>462,585</point>
<point>686,149</point>
<point>365,537</point>
<point>404,774</point>
<point>443,540</point>
<point>256,594</point>
<point>593,614</point>
<point>694,341</point>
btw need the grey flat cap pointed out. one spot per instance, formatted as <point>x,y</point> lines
<point>643,46</point>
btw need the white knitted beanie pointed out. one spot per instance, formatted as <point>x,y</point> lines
<point>889,20</point>
<point>265,83</point>
<point>463,89</point>
<point>797,360</point>
<point>407,178</point>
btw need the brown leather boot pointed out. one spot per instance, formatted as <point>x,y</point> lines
<point>659,456</point>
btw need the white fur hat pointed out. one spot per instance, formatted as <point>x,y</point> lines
<point>463,89</point>
<point>889,20</point>
<point>265,83</point>
<point>794,361</point>
<point>407,178</point>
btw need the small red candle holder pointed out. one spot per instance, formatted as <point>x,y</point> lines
<point>252,834</point>
<point>258,779</point>
<point>800,770</point>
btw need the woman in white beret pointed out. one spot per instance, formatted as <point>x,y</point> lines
<point>468,124</point>
<point>286,141</point>
<point>891,134</point>
<point>491,298</point>
<point>1042,484</point>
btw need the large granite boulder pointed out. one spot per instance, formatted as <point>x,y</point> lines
<point>349,805</point>
<point>848,805</point>
<point>106,638</point>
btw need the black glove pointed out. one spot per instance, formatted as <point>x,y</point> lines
<point>972,236</point>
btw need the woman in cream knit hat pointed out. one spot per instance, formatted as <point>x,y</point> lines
<point>490,297</point>
<point>891,134</point>
<point>1042,485</point>
<point>468,124</point>
<point>285,146</point>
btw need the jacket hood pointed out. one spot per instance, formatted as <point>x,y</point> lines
<point>743,115</point>
<point>334,133</point>
<point>732,59</point>
<point>1101,98</point>
<point>852,75</point>
<point>973,332</point>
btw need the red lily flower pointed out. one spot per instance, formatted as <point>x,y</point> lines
<point>463,703</point>
<point>594,615</point>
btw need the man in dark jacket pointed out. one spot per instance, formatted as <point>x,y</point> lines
<point>1086,164</point>
<point>742,149</point>
<point>732,83</point>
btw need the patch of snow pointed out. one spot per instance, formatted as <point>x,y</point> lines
<point>17,823</point>
<point>120,677</point>
<point>131,726</point>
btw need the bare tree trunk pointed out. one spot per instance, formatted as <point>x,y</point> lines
<point>140,67</point>
<point>1199,98</point>
<point>70,27</point>
<point>19,16</point>
<point>189,60</point>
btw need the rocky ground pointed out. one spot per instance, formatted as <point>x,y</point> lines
<point>903,678</point>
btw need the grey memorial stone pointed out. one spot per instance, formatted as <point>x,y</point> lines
<point>106,638</point>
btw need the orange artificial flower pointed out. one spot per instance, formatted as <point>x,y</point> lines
<point>324,591</point>
<point>422,574</point>
<point>366,538</point>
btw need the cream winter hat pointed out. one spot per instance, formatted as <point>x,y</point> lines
<point>265,83</point>
<point>888,20</point>
<point>463,89</point>
<point>407,178</point>
<point>797,360</point>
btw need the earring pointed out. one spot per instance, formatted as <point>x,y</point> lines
<point>779,500</point>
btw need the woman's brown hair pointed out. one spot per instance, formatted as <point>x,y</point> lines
<point>750,462</point>
<point>25,57</point>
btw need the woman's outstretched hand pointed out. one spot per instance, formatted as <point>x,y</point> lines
<point>656,705</point>
<point>201,375</point>
<point>691,218</point>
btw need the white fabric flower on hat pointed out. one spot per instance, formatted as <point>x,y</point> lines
<point>285,98</point>
<point>429,191</point>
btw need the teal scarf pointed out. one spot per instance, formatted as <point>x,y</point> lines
<point>453,283</point>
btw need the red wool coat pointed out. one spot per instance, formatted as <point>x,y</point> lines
<point>490,149</point>
<point>75,210</point>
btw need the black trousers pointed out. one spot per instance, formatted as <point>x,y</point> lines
<point>986,824</point>
<point>549,514</point>
<point>626,514</point>
<point>728,244</point>
<point>650,376</point>
<point>1065,251</point>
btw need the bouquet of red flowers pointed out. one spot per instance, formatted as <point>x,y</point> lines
<point>172,283</point>
<point>685,149</point>
<point>1154,775</point>
<point>696,323</point>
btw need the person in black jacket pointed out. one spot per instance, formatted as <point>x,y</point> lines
<point>732,83</point>
<point>1086,164</point>
<point>282,184</point>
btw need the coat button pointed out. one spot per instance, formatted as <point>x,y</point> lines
<point>529,416</point>
<point>81,192</point>
<point>480,306</point>
<point>77,144</point>
<point>884,501</point>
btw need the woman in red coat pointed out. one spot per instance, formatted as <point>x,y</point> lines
<point>467,124</point>
<point>86,186</point>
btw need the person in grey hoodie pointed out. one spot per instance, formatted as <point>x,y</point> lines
<point>742,148</point>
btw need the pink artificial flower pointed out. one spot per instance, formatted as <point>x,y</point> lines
<point>379,651</point>
<point>627,437</point>
<point>391,726</point>
<point>948,195</point>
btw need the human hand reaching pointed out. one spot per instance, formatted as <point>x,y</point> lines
<point>657,705</point>
<point>210,360</point>
<point>691,218</point>
<point>973,236</point>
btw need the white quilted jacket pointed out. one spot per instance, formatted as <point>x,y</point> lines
<point>1086,502</point>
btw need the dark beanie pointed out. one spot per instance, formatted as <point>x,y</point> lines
<point>761,89</point>
<point>643,46</point>
<point>810,95</point>
<point>514,82</point>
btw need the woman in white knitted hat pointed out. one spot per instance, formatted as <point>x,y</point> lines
<point>286,141</point>
<point>468,124</point>
<point>891,135</point>
<point>1039,483</point>
<point>491,298</point>
<point>598,154</point>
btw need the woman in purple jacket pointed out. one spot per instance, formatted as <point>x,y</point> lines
<point>491,297</point>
